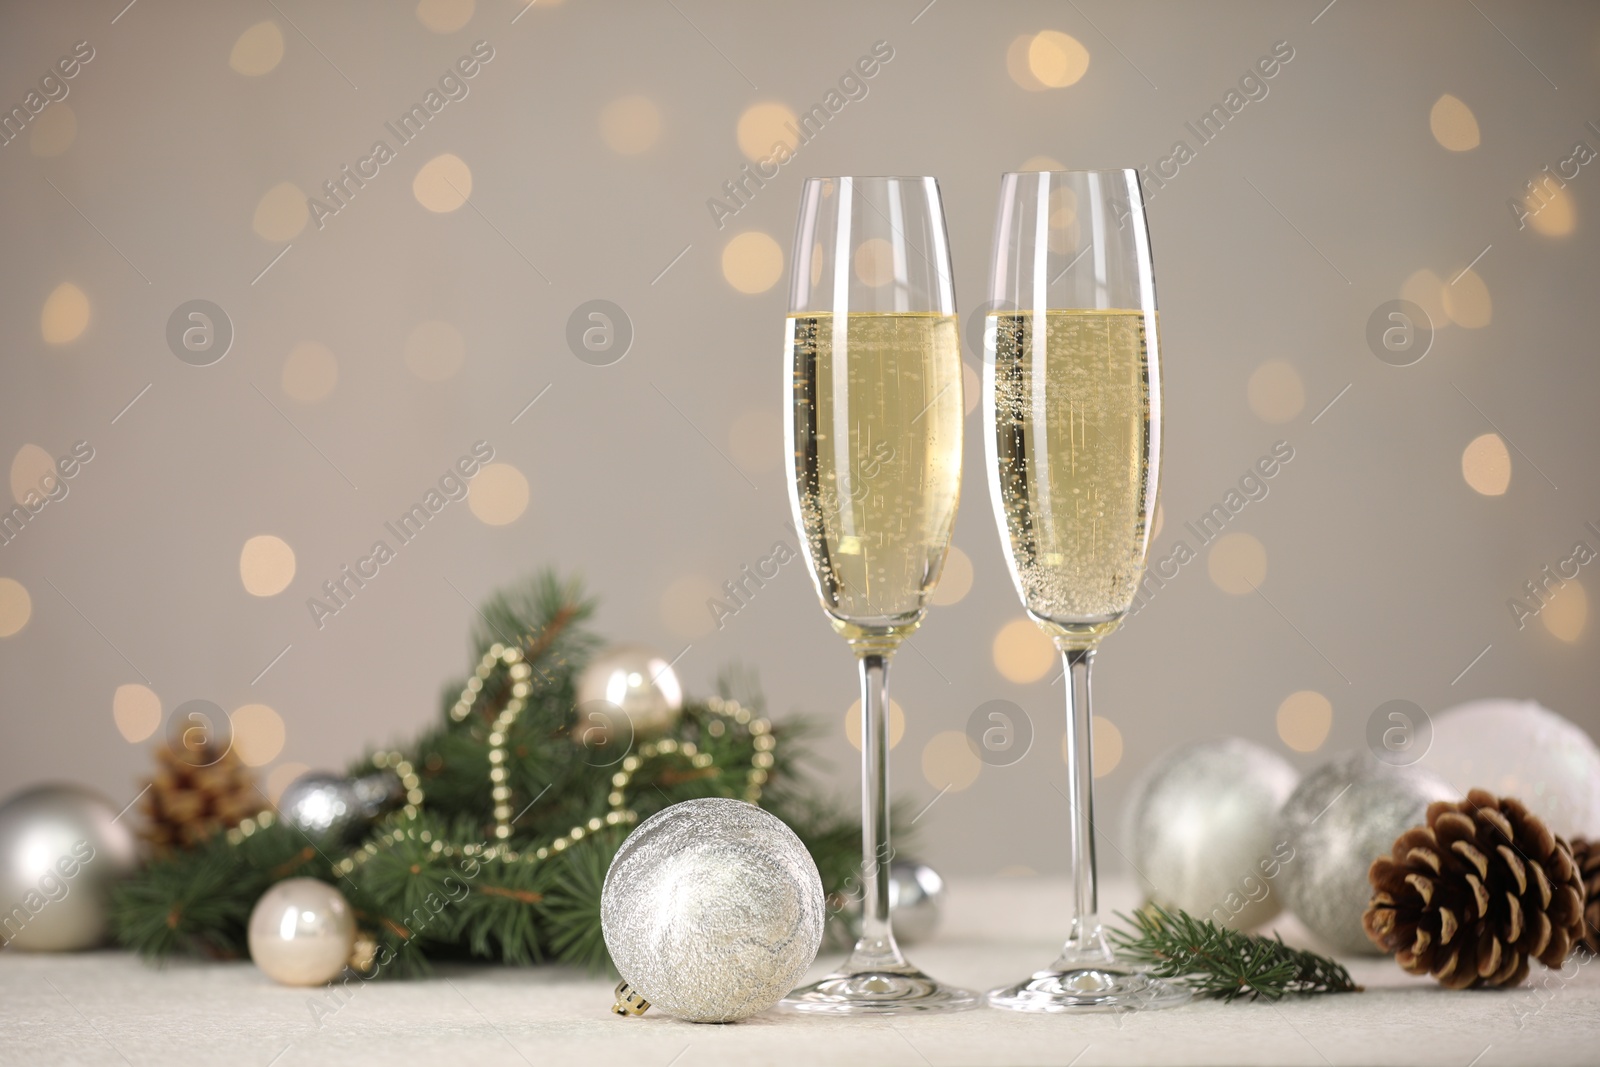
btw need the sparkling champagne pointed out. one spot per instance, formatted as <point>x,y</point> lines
<point>1074,462</point>
<point>875,421</point>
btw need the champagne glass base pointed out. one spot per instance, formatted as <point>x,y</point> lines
<point>890,990</point>
<point>1105,987</point>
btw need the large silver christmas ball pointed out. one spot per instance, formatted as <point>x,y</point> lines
<point>712,910</point>
<point>632,682</point>
<point>335,808</point>
<point>62,847</point>
<point>1343,816</point>
<point>1521,749</point>
<point>1200,831</point>
<point>302,932</point>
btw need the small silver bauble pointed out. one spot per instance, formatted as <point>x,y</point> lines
<point>332,807</point>
<point>1343,816</point>
<point>916,902</point>
<point>302,932</point>
<point>1517,748</point>
<point>631,680</point>
<point>712,910</point>
<point>1200,830</point>
<point>62,847</point>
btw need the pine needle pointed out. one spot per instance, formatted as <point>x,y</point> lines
<point>1215,961</point>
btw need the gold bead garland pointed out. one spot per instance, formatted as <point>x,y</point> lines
<point>512,658</point>
<point>409,779</point>
<point>246,827</point>
<point>520,688</point>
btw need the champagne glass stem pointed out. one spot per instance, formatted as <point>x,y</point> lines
<point>1085,977</point>
<point>1086,942</point>
<point>877,944</point>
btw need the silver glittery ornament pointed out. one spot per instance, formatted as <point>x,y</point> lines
<point>62,847</point>
<point>1200,831</point>
<point>626,691</point>
<point>302,932</point>
<point>712,910</point>
<point>335,808</point>
<point>1343,816</point>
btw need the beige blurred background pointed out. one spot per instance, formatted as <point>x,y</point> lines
<point>375,345</point>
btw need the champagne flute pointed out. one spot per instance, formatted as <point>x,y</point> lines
<point>874,419</point>
<point>1072,441</point>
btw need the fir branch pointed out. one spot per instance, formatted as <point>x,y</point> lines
<point>1215,961</point>
<point>545,616</point>
<point>191,903</point>
<point>411,890</point>
<point>572,904</point>
<point>500,918</point>
<point>453,764</point>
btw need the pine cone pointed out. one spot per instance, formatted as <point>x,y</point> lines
<point>1474,894</point>
<point>186,803</point>
<point>1586,854</point>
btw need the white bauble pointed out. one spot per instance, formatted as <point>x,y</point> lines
<point>1200,830</point>
<point>632,681</point>
<point>62,847</point>
<point>61,851</point>
<point>1518,748</point>
<point>302,932</point>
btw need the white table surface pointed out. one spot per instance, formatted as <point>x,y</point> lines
<point>109,1008</point>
